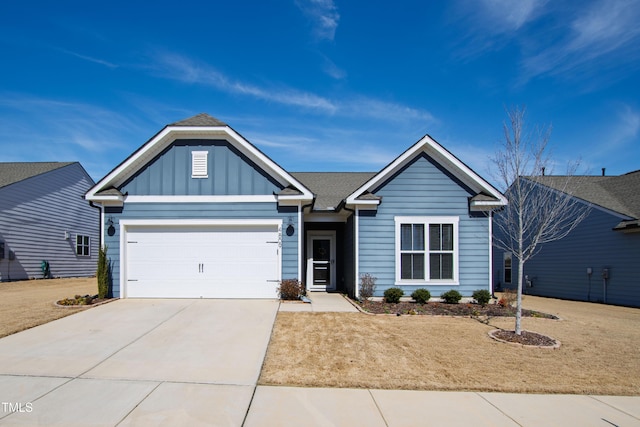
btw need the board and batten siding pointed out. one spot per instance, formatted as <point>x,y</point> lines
<point>229,173</point>
<point>559,270</point>
<point>204,211</point>
<point>35,214</point>
<point>423,188</point>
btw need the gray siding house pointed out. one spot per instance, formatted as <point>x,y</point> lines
<point>198,211</point>
<point>43,217</point>
<point>598,261</point>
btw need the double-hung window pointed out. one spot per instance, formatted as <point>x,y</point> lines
<point>426,250</point>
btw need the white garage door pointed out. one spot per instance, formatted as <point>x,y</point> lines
<point>202,262</point>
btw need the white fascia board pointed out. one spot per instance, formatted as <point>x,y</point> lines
<point>439,154</point>
<point>363,204</point>
<point>201,199</point>
<point>485,205</point>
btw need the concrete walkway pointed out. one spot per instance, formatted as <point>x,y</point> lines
<point>320,302</point>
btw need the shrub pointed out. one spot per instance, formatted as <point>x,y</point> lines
<point>509,296</point>
<point>393,295</point>
<point>290,289</point>
<point>421,296</point>
<point>451,297</point>
<point>104,273</point>
<point>367,286</point>
<point>482,296</point>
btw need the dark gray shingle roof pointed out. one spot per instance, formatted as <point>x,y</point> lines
<point>331,188</point>
<point>202,119</point>
<point>617,193</point>
<point>13,172</point>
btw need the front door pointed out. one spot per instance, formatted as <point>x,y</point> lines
<point>321,264</point>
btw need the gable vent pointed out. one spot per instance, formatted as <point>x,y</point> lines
<point>199,165</point>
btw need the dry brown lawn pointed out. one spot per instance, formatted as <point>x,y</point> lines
<point>30,303</point>
<point>600,351</point>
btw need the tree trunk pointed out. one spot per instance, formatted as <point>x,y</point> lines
<point>519,299</point>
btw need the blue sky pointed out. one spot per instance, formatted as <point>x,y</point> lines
<point>322,85</point>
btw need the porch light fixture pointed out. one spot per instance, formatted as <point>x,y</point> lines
<point>67,235</point>
<point>290,228</point>
<point>111,230</point>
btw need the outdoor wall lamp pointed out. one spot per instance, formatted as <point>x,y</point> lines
<point>111,230</point>
<point>290,228</point>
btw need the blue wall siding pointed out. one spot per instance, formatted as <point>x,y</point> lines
<point>560,269</point>
<point>423,189</point>
<point>230,173</point>
<point>34,215</point>
<point>205,211</point>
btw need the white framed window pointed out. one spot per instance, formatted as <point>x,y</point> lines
<point>427,250</point>
<point>83,245</point>
<point>199,164</point>
<point>508,266</point>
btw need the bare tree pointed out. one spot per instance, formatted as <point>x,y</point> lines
<point>537,212</point>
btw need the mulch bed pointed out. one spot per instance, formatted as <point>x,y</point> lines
<point>443,309</point>
<point>525,338</point>
<point>81,301</point>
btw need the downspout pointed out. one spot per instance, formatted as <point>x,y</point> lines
<point>101,209</point>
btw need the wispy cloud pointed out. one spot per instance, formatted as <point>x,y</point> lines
<point>180,68</point>
<point>89,58</point>
<point>323,15</point>
<point>603,31</point>
<point>492,24</point>
<point>332,70</point>
<point>44,129</point>
<point>503,16</point>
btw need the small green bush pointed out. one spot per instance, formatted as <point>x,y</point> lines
<point>482,296</point>
<point>290,289</point>
<point>421,296</point>
<point>393,295</point>
<point>451,297</point>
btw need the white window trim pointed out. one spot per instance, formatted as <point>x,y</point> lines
<point>199,164</point>
<point>427,220</point>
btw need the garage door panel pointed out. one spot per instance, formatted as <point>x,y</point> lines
<point>202,262</point>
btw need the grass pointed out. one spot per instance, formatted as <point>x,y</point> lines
<point>29,303</point>
<point>599,352</point>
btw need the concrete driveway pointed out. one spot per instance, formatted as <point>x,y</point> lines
<point>138,362</point>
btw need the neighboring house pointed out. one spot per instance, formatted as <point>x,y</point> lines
<point>43,217</point>
<point>198,211</point>
<point>600,259</point>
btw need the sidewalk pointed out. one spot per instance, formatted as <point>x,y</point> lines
<point>290,406</point>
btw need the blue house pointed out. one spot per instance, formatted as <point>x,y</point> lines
<point>43,217</point>
<point>198,211</point>
<point>599,260</point>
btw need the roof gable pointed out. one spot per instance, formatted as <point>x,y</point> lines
<point>446,160</point>
<point>13,172</point>
<point>200,127</point>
